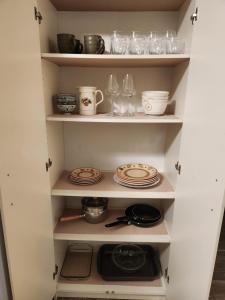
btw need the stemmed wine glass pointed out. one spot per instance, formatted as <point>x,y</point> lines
<point>113,91</point>
<point>128,93</point>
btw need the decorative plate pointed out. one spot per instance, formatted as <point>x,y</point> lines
<point>85,173</point>
<point>136,172</point>
<point>85,176</point>
<point>139,182</point>
<point>136,186</point>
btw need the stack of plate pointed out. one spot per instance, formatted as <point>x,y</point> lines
<point>85,176</point>
<point>138,176</point>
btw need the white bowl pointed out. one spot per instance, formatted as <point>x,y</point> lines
<point>147,99</point>
<point>155,98</point>
<point>156,93</point>
<point>154,107</point>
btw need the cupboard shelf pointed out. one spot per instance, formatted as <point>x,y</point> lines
<point>106,118</point>
<point>95,285</point>
<point>81,230</point>
<point>110,60</point>
<point>108,188</point>
<point>117,5</point>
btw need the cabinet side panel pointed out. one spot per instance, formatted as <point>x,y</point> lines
<point>25,189</point>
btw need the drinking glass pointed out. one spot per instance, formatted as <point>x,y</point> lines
<point>157,43</point>
<point>112,87</point>
<point>175,46</point>
<point>170,34</point>
<point>139,43</point>
<point>120,42</point>
<point>113,91</point>
<point>128,93</point>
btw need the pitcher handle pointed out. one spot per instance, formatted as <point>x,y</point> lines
<point>102,97</point>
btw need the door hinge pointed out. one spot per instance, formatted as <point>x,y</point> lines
<point>56,272</point>
<point>194,16</point>
<point>37,15</point>
<point>167,277</point>
<point>178,167</point>
<point>48,164</point>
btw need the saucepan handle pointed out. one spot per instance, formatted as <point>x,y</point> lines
<point>71,218</point>
<point>120,221</point>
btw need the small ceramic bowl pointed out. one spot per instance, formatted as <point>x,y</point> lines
<point>155,93</point>
<point>154,107</point>
<point>66,108</point>
<point>65,99</point>
<point>152,98</point>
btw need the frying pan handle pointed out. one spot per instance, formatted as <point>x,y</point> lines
<point>119,222</point>
<point>71,218</point>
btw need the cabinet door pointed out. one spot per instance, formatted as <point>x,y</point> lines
<point>24,182</point>
<point>199,203</point>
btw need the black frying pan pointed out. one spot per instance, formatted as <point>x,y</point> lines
<point>141,215</point>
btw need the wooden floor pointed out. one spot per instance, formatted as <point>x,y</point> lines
<point>218,284</point>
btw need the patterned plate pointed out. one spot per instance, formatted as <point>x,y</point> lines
<point>85,176</point>
<point>136,186</point>
<point>85,182</point>
<point>85,173</point>
<point>136,172</point>
<point>139,182</point>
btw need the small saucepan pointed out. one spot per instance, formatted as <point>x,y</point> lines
<point>94,210</point>
<point>141,215</point>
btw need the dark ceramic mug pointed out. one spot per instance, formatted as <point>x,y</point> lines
<point>94,44</point>
<point>67,43</point>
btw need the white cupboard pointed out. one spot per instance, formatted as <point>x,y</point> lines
<point>38,147</point>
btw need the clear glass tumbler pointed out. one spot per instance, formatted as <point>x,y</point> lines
<point>175,46</point>
<point>139,43</point>
<point>120,42</point>
<point>157,43</point>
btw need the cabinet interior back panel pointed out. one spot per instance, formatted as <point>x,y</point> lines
<point>106,146</point>
<point>80,23</point>
<point>145,79</point>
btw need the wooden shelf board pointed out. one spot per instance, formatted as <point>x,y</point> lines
<point>81,230</point>
<point>106,118</point>
<point>96,285</point>
<point>117,5</point>
<point>110,60</point>
<point>108,188</point>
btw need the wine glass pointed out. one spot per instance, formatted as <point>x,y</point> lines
<point>112,85</point>
<point>113,91</point>
<point>128,93</point>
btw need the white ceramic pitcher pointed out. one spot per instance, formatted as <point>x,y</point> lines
<point>88,100</point>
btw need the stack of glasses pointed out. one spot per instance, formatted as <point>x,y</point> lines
<point>122,99</point>
<point>140,43</point>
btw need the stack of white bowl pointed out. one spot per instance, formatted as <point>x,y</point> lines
<point>155,102</point>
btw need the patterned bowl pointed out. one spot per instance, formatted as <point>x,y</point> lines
<point>66,108</point>
<point>65,99</point>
